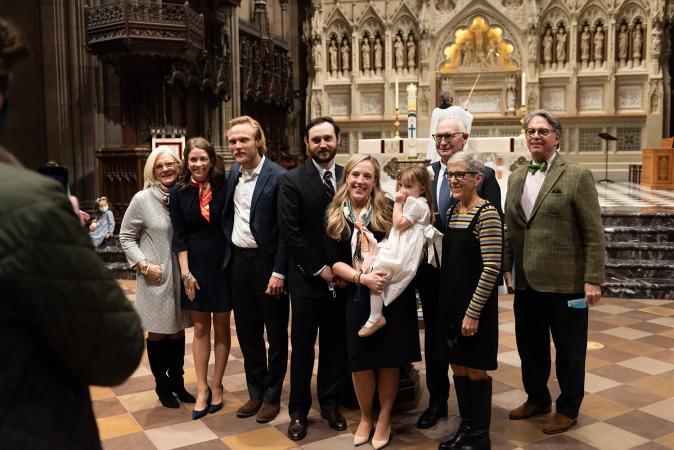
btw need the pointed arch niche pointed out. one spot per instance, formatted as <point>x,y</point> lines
<point>480,47</point>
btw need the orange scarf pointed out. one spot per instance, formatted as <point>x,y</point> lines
<point>205,196</point>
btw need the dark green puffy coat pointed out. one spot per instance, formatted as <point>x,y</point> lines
<point>64,322</point>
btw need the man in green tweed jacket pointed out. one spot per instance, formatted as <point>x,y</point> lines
<point>555,254</point>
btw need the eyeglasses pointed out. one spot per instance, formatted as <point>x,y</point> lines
<point>541,131</point>
<point>168,165</point>
<point>445,137</point>
<point>459,175</point>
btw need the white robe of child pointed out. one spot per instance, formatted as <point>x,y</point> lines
<point>399,255</point>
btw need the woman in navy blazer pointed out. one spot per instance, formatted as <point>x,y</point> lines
<point>196,205</point>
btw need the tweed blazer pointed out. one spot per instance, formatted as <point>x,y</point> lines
<point>561,246</point>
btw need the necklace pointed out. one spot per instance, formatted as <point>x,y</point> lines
<point>463,210</point>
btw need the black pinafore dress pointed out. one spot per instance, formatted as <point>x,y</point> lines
<point>461,268</point>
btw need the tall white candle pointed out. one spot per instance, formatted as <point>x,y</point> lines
<point>523,90</point>
<point>397,104</point>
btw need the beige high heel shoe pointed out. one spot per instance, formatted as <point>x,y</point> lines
<point>381,444</point>
<point>360,440</point>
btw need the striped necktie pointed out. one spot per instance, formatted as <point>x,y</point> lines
<point>327,181</point>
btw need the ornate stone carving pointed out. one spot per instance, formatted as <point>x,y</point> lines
<point>585,45</point>
<point>346,56</point>
<point>378,54</point>
<point>630,97</point>
<point>372,104</point>
<point>554,99</point>
<point>599,46</point>
<point>398,52</point>
<point>561,47</point>
<point>411,52</point>
<point>591,98</point>
<point>339,104</point>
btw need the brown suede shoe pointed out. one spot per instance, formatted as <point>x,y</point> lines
<point>526,410</point>
<point>250,408</point>
<point>558,423</point>
<point>268,412</point>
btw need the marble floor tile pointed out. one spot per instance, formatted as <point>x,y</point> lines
<point>641,423</point>
<point>512,358</point>
<point>663,409</point>
<point>266,438</point>
<point>649,365</point>
<point>595,383</point>
<point>119,425</point>
<point>626,333</point>
<point>180,435</point>
<point>605,436</point>
<point>133,441</point>
<point>610,308</point>
<point>602,408</point>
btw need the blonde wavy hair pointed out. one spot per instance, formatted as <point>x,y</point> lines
<point>381,207</point>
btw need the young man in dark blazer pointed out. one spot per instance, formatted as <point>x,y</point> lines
<point>305,193</point>
<point>258,262</point>
<point>450,137</point>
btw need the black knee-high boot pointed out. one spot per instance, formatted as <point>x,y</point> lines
<point>480,400</point>
<point>463,399</point>
<point>157,356</point>
<point>176,359</point>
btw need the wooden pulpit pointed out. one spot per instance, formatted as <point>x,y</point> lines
<point>658,165</point>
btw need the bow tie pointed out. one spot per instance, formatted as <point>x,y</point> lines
<point>533,168</point>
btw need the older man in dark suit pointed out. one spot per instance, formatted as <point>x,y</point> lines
<point>259,262</point>
<point>305,193</point>
<point>450,137</point>
<point>556,255</point>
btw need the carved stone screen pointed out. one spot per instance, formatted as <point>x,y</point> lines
<point>589,139</point>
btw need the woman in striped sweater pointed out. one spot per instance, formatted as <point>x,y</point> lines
<point>471,262</point>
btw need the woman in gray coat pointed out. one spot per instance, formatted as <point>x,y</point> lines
<point>145,236</point>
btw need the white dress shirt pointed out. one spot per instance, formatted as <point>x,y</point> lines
<point>441,174</point>
<point>532,186</point>
<point>243,196</point>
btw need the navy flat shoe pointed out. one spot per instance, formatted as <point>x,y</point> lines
<point>199,413</point>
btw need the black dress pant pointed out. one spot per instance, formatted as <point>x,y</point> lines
<point>537,315</point>
<point>437,377</point>
<point>309,315</point>
<point>253,312</point>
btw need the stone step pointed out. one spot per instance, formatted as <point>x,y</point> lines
<point>111,253</point>
<point>639,288</point>
<point>640,250</point>
<point>121,271</point>
<point>638,218</point>
<point>664,234</point>
<point>626,269</point>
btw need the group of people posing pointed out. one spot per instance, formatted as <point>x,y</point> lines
<point>205,243</point>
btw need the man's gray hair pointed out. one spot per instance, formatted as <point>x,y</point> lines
<point>547,115</point>
<point>471,159</point>
<point>460,123</point>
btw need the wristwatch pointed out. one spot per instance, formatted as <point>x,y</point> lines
<point>187,276</point>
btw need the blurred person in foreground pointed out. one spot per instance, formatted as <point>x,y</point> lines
<point>62,314</point>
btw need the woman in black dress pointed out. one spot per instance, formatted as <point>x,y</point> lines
<point>360,205</point>
<point>196,205</point>
<point>468,312</point>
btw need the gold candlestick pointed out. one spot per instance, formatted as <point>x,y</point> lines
<point>396,124</point>
<point>523,115</point>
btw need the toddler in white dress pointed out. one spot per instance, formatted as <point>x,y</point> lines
<point>400,254</point>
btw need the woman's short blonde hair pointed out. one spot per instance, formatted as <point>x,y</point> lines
<point>149,179</point>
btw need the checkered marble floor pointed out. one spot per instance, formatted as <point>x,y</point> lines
<point>629,402</point>
<point>630,195</point>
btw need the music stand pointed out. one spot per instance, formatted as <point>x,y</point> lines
<point>606,137</point>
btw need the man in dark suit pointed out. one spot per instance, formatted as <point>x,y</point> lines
<point>305,193</point>
<point>259,262</point>
<point>555,255</point>
<point>450,137</point>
